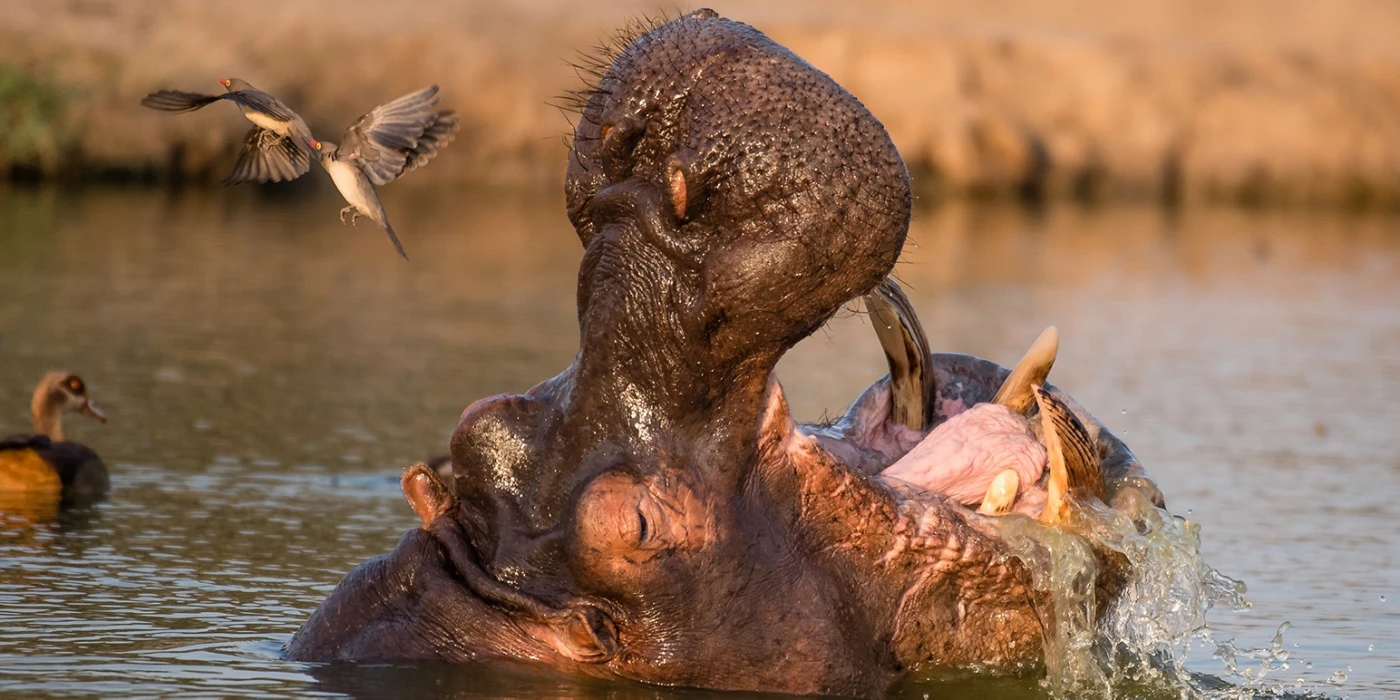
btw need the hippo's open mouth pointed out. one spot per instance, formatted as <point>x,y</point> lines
<point>653,512</point>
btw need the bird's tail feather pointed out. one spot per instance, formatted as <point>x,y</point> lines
<point>393,238</point>
<point>177,101</point>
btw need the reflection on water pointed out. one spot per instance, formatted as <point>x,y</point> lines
<point>266,371</point>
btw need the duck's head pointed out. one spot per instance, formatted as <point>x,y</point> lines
<point>60,391</point>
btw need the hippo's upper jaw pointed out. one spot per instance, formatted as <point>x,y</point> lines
<point>652,512</point>
<point>729,198</point>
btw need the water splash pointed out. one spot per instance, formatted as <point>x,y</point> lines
<point>1063,565</point>
<point>1142,638</point>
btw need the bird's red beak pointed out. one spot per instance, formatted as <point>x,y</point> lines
<point>225,82</point>
<point>316,144</point>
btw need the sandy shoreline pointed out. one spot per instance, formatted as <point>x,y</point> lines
<point>1244,100</point>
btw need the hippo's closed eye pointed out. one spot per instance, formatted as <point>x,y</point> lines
<point>617,525</point>
<point>626,525</point>
<point>618,508</point>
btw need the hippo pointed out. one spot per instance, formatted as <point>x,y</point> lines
<point>653,512</point>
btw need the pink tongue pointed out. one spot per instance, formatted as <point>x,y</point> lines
<point>960,458</point>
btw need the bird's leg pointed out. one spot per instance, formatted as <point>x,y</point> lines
<point>352,211</point>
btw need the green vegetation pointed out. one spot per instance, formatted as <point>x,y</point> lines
<point>31,111</point>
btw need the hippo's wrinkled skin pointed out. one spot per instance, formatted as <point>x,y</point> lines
<point>652,512</point>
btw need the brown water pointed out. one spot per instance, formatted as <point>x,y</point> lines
<point>266,371</point>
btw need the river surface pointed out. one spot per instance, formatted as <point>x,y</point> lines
<point>267,371</point>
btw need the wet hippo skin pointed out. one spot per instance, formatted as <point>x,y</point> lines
<point>653,512</point>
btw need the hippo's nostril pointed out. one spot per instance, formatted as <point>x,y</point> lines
<point>675,179</point>
<point>638,204</point>
<point>619,138</point>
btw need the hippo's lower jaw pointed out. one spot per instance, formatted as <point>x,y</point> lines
<point>956,596</point>
<point>962,596</point>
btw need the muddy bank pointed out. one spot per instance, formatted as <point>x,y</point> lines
<point>1249,100</point>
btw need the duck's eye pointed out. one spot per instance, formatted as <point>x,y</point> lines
<point>75,385</point>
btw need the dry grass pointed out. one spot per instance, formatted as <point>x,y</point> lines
<point>1252,99</point>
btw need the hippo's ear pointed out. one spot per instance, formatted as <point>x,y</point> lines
<point>429,497</point>
<point>585,633</point>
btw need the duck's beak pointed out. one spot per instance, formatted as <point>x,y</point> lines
<point>92,411</point>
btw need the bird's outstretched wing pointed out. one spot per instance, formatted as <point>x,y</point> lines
<point>268,157</point>
<point>438,134</point>
<point>177,101</point>
<point>180,101</point>
<point>382,142</point>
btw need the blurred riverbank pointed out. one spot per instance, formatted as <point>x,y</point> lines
<point>1256,101</point>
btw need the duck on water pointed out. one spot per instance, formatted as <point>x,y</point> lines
<point>43,463</point>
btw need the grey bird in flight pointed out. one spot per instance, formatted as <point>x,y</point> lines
<point>391,140</point>
<point>277,148</point>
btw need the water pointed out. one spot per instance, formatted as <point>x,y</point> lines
<point>266,371</point>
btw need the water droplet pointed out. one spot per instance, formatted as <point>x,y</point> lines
<point>1337,678</point>
<point>1370,647</point>
<point>1382,599</point>
<point>1307,665</point>
<point>1190,511</point>
<point>1299,682</point>
<point>1125,411</point>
